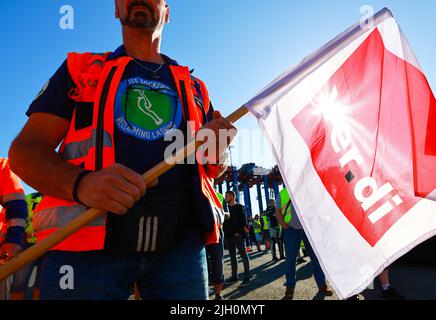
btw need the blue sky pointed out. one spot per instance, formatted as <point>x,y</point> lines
<point>236,46</point>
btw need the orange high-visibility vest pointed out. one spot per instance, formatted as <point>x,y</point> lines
<point>2,225</point>
<point>92,148</point>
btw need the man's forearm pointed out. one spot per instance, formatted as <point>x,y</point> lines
<point>40,166</point>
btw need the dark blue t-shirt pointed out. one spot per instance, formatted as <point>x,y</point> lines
<point>146,108</point>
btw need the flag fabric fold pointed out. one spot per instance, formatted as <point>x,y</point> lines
<point>353,131</point>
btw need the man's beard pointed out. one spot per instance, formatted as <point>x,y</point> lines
<point>140,19</point>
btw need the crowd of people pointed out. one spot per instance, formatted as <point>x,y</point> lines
<point>277,226</point>
<point>271,230</point>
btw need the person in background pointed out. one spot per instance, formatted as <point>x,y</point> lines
<point>257,227</point>
<point>215,256</point>
<point>294,233</point>
<point>234,229</point>
<point>265,231</point>
<point>275,231</point>
<point>21,279</point>
<point>252,234</point>
<point>387,292</point>
<point>247,237</point>
<point>12,217</point>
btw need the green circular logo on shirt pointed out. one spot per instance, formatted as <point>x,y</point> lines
<point>146,109</point>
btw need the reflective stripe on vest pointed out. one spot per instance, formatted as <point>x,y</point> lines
<point>13,197</point>
<point>16,223</point>
<point>80,149</point>
<point>58,217</point>
<point>284,201</point>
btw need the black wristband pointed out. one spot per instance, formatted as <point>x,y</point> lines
<point>79,179</point>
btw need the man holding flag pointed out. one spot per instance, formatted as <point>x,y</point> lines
<point>111,113</point>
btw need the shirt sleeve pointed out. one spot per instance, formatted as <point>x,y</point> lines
<point>54,96</point>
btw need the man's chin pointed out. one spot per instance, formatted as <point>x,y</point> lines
<point>141,20</point>
<point>141,23</point>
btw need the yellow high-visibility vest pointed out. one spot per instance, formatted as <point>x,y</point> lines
<point>284,206</point>
<point>257,226</point>
<point>265,222</point>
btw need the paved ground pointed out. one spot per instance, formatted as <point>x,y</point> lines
<point>416,283</point>
<point>268,279</point>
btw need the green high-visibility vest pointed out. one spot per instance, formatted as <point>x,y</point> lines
<point>284,201</point>
<point>257,226</point>
<point>265,222</point>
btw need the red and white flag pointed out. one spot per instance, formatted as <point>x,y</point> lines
<point>353,131</point>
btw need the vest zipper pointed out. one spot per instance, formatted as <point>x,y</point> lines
<point>184,99</point>
<point>201,103</point>
<point>100,121</point>
<point>185,107</point>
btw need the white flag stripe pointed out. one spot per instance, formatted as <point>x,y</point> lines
<point>396,42</point>
<point>155,226</point>
<point>147,235</point>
